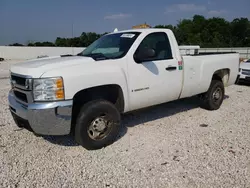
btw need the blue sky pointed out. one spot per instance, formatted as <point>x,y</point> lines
<point>43,20</point>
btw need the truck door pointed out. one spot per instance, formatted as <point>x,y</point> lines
<point>156,80</point>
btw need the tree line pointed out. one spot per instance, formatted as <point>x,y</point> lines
<point>211,32</point>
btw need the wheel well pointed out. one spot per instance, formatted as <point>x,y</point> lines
<point>222,75</point>
<point>112,93</point>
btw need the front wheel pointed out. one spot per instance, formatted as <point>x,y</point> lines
<point>97,125</point>
<point>213,98</point>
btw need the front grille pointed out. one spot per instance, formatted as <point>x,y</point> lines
<point>245,72</point>
<point>22,87</point>
<point>21,82</point>
<point>21,96</point>
<point>18,80</point>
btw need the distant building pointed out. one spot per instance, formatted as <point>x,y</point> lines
<point>141,26</point>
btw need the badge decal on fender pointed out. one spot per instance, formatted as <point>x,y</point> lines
<point>180,65</point>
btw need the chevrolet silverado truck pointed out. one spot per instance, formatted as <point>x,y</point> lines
<point>86,94</point>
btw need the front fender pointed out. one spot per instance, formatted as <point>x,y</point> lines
<point>78,78</point>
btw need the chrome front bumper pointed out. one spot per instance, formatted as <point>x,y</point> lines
<point>50,118</point>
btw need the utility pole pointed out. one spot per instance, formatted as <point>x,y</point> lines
<point>72,33</point>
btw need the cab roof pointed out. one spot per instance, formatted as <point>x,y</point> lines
<point>143,30</point>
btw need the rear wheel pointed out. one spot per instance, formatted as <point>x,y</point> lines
<point>213,98</point>
<point>97,124</point>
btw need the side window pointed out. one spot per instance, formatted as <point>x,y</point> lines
<point>160,43</point>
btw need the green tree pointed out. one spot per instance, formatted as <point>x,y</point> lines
<point>240,30</point>
<point>16,44</point>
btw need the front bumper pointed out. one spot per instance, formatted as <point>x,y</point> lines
<point>50,118</point>
<point>243,78</point>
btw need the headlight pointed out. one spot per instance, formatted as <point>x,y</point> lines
<point>48,89</point>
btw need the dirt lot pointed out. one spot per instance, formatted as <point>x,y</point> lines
<point>172,145</point>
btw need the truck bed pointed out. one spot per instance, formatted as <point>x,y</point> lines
<point>199,69</point>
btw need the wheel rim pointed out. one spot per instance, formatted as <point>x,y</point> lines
<point>217,95</point>
<point>100,127</point>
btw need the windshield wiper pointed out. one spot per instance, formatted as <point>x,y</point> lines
<point>96,56</point>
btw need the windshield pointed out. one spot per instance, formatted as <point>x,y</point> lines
<point>248,61</point>
<point>111,46</point>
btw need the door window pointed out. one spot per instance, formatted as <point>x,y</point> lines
<point>160,43</point>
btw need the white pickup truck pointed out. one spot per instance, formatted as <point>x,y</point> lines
<point>123,71</point>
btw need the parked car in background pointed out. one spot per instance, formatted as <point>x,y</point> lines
<point>244,72</point>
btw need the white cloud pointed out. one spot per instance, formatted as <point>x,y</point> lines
<point>185,8</point>
<point>117,16</point>
<point>216,12</point>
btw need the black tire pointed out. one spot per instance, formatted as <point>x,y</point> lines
<point>85,120</point>
<point>209,100</point>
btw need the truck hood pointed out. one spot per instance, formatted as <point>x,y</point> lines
<point>245,66</point>
<point>37,67</point>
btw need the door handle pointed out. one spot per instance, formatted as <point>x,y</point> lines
<point>171,68</point>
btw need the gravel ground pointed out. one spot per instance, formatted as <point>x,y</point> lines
<point>172,145</point>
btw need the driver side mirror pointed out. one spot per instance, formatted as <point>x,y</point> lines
<point>144,55</point>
